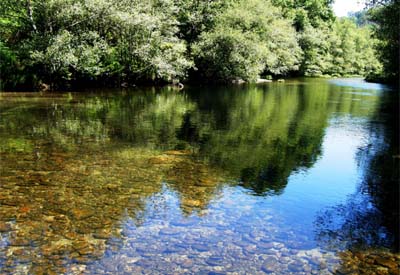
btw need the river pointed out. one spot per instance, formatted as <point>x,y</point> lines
<point>280,178</point>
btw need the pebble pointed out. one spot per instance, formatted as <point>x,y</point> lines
<point>265,245</point>
<point>169,231</point>
<point>114,221</point>
<point>270,264</point>
<point>386,263</point>
<point>5,227</point>
<point>187,263</point>
<point>81,214</point>
<point>214,261</point>
<point>200,247</point>
<point>296,266</point>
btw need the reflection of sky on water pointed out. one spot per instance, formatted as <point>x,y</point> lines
<point>236,220</point>
<point>359,83</point>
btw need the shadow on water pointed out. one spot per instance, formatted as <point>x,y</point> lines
<point>366,227</point>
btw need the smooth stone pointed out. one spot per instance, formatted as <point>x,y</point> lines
<point>238,81</point>
<point>81,214</point>
<point>187,263</point>
<point>296,267</point>
<point>182,245</point>
<point>177,152</point>
<point>191,203</point>
<point>344,270</point>
<point>160,160</point>
<point>284,260</point>
<point>314,261</point>
<point>20,242</point>
<point>250,249</point>
<point>206,182</point>
<point>265,245</point>
<point>81,260</point>
<point>143,263</point>
<point>5,227</point>
<point>200,247</point>
<point>214,261</point>
<point>249,239</point>
<point>183,222</point>
<point>270,264</point>
<point>171,250</point>
<point>386,263</point>
<point>263,80</point>
<point>169,231</point>
<point>380,270</point>
<point>294,245</point>
<point>18,252</point>
<point>101,235</point>
<point>86,251</point>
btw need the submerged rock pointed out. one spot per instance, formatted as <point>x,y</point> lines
<point>270,264</point>
<point>4,227</point>
<point>263,80</point>
<point>215,261</point>
<point>238,81</point>
<point>391,264</point>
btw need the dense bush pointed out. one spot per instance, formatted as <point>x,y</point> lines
<point>249,38</point>
<point>386,28</point>
<point>64,42</point>
<point>345,49</point>
<point>130,40</point>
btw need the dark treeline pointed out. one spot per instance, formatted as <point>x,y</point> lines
<point>385,15</point>
<point>64,43</point>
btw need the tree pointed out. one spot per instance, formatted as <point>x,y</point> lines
<point>316,13</point>
<point>386,16</point>
<point>249,38</point>
<point>72,40</point>
<point>196,17</point>
<point>343,49</point>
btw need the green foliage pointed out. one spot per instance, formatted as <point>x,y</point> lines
<point>64,42</point>
<point>343,50</point>
<point>386,16</point>
<point>250,37</point>
<point>196,17</point>
<point>356,54</point>
<point>8,60</point>
<point>361,18</point>
<point>131,40</point>
<point>67,53</point>
<point>317,13</point>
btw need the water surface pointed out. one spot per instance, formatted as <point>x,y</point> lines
<point>274,178</point>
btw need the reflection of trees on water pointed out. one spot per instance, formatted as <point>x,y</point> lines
<point>371,216</point>
<point>68,207</point>
<point>63,208</point>
<point>382,179</point>
<point>68,158</point>
<point>271,131</point>
<point>369,220</point>
<point>356,224</point>
<point>258,134</point>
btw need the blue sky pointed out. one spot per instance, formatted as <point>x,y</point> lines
<point>342,7</point>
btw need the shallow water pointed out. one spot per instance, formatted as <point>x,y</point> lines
<point>273,178</point>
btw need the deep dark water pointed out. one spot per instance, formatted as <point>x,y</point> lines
<point>298,177</point>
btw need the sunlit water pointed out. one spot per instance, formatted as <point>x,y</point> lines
<point>238,180</point>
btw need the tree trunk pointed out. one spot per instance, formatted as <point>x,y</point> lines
<point>29,11</point>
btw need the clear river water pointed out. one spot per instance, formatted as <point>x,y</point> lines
<point>275,178</point>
